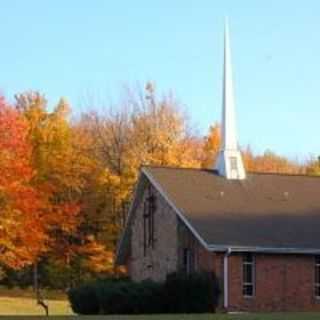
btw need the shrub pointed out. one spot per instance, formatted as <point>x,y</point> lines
<point>151,297</point>
<point>180,293</point>
<point>193,293</point>
<point>116,297</point>
<point>84,300</point>
<point>126,297</point>
<point>17,278</point>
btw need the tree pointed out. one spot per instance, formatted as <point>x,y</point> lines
<point>211,147</point>
<point>313,167</point>
<point>63,172</point>
<point>22,227</point>
<point>270,162</point>
<point>142,129</point>
<point>159,131</point>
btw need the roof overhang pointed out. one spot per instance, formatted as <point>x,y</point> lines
<point>122,249</point>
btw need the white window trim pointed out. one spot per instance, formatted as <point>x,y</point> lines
<point>316,284</point>
<point>253,283</point>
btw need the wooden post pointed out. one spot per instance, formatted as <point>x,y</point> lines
<point>39,298</point>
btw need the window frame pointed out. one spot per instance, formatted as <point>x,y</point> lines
<point>149,208</point>
<point>145,230</point>
<point>251,263</point>
<point>233,163</point>
<point>188,256</point>
<point>316,285</point>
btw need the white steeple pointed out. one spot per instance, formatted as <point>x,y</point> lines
<point>229,161</point>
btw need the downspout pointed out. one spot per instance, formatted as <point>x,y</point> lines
<point>225,278</point>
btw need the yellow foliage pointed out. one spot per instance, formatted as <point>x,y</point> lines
<point>211,147</point>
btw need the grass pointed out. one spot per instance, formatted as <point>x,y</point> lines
<point>17,306</point>
<point>25,306</point>
<point>28,306</point>
<point>18,302</point>
<point>279,316</point>
<point>29,293</point>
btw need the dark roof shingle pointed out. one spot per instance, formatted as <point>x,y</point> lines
<point>264,210</point>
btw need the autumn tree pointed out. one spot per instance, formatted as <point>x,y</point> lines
<point>160,133</point>
<point>142,129</point>
<point>270,162</point>
<point>211,147</point>
<point>22,225</point>
<point>267,162</point>
<point>63,171</point>
<point>312,166</point>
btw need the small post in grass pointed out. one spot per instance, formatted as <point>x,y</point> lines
<point>39,297</point>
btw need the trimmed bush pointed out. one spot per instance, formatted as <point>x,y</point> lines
<point>117,297</point>
<point>84,300</point>
<point>191,293</point>
<point>152,297</point>
<point>126,297</point>
<point>180,293</point>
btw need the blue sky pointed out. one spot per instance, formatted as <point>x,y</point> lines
<point>80,48</point>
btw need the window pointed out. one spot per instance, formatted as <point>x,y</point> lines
<point>149,208</point>
<point>248,275</point>
<point>317,277</point>
<point>233,163</point>
<point>188,260</point>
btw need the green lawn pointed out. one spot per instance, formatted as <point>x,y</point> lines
<point>19,301</point>
<point>28,306</point>
<point>278,316</point>
<point>13,305</point>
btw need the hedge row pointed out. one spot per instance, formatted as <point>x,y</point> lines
<point>195,293</point>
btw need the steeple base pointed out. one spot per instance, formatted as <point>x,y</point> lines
<point>229,164</point>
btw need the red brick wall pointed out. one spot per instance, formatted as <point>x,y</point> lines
<point>282,283</point>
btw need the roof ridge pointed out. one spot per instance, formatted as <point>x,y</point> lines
<point>176,168</point>
<point>249,172</point>
<point>287,174</point>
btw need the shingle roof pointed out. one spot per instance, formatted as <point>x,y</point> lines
<point>264,210</point>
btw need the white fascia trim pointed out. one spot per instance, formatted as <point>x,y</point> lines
<point>264,249</point>
<point>179,212</point>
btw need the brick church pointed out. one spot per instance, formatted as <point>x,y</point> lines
<point>259,233</point>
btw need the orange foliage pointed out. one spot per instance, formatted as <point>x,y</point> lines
<point>22,228</point>
<point>211,147</point>
<point>270,162</point>
<point>267,162</point>
<point>63,173</point>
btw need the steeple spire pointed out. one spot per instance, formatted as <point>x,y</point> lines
<point>229,161</point>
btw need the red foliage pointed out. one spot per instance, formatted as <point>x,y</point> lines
<point>22,231</point>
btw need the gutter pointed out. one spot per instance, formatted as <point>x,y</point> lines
<point>226,278</point>
<point>274,250</point>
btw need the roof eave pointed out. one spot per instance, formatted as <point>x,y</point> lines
<point>257,249</point>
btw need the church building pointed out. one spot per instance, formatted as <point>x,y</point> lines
<point>258,232</point>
